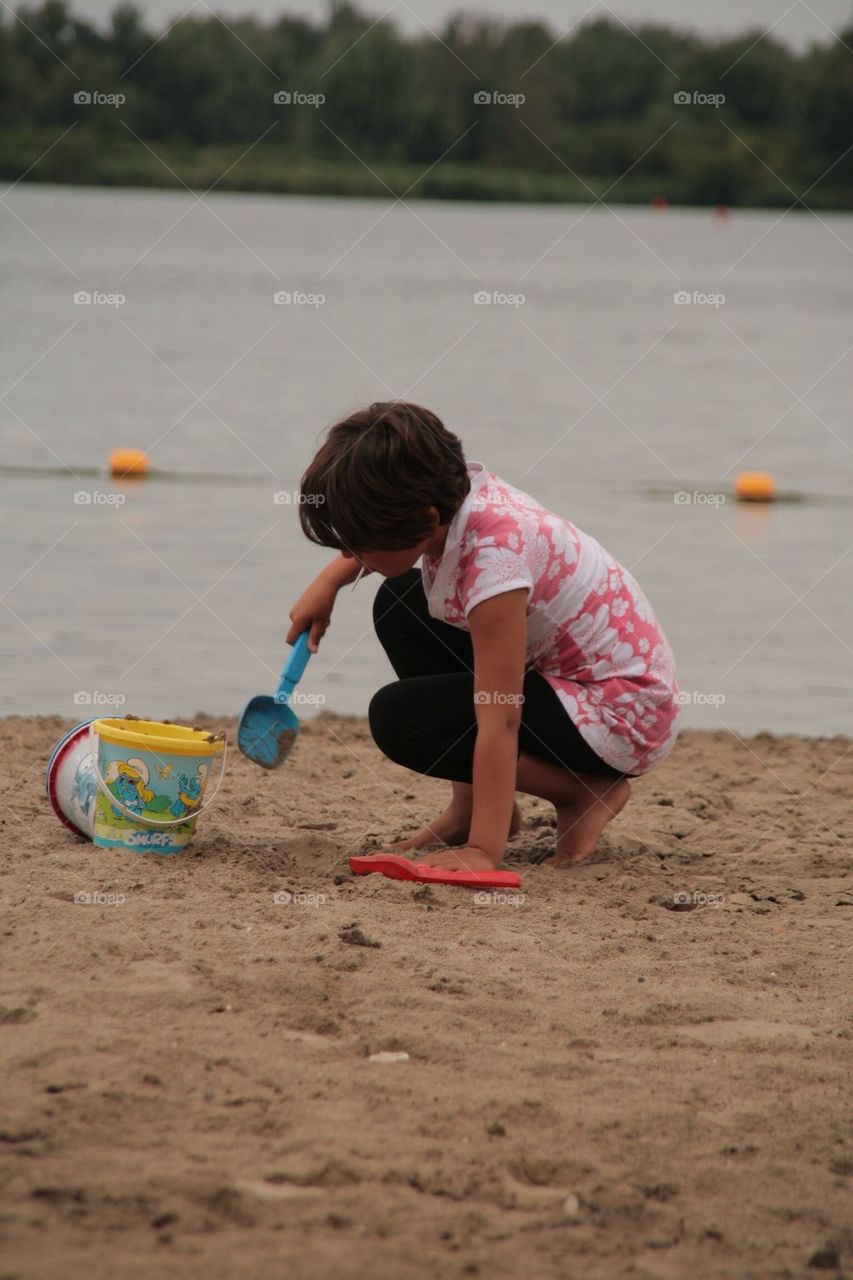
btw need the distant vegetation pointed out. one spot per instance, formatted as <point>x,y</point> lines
<point>399,111</point>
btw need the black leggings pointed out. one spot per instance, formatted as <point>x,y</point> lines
<point>426,719</point>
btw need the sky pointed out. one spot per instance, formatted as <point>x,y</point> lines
<point>798,22</point>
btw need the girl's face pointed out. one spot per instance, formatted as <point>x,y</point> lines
<point>388,563</point>
<point>391,563</point>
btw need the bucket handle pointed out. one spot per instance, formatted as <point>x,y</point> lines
<point>137,817</point>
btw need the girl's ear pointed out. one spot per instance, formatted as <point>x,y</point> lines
<point>434,516</point>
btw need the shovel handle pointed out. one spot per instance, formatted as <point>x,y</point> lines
<point>294,667</point>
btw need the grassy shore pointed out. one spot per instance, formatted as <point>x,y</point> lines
<point>82,158</point>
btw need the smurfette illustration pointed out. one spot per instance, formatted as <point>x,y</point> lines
<point>128,781</point>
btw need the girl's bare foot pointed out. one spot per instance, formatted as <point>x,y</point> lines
<point>580,823</point>
<point>450,827</point>
<point>465,859</point>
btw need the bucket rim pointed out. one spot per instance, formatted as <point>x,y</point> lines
<point>63,742</point>
<point>156,736</point>
<point>60,751</point>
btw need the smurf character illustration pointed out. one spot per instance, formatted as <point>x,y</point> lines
<point>128,781</point>
<point>191,791</point>
<point>84,787</point>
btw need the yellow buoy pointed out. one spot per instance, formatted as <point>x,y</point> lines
<point>755,486</point>
<point>129,462</point>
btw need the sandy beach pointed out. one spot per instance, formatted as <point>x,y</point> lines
<point>638,1068</point>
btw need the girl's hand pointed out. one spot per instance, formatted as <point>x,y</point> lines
<point>312,613</point>
<point>313,610</point>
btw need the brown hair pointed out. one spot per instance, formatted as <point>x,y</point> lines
<point>376,473</point>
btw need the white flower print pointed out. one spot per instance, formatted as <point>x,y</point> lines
<point>538,556</point>
<point>562,542</point>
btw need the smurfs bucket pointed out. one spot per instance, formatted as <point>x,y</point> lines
<point>152,779</point>
<point>70,781</point>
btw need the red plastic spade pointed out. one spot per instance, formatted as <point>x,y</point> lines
<point>396,867</point>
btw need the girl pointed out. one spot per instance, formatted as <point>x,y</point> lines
<point>528,658</point>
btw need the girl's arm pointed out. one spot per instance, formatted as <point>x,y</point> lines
<point>313,610</point>
<point>498,631</point>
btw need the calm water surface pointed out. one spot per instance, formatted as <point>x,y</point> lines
<point>598,393</point>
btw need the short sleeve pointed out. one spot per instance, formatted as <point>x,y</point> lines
<point>491,568</point>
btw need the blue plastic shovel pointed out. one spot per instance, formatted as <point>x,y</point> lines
<point>268,726</point>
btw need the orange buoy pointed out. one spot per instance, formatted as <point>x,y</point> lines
<point>722,213</point>
<point>755,486</point>
<point>129,462</point>
<point>658,204</point>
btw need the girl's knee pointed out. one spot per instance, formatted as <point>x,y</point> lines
<point>383,602</point>
<point>391,591</point>
<point>387,719</point>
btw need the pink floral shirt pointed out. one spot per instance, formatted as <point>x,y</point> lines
<point>590,630</point>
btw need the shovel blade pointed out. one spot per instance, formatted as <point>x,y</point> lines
<point>267,731</point>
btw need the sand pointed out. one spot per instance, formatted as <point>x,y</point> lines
<point>640,1068</point>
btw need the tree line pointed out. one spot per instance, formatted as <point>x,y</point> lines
<point>482,109</point>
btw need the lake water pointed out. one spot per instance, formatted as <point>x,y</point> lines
<point>598,393</point>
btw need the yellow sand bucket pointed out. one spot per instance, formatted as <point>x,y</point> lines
<point>152,780</point>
